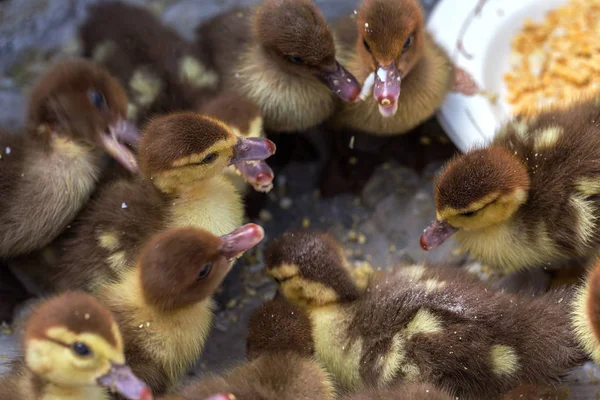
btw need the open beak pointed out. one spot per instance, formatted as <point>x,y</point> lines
<point>258,174</point>
<point>252,149</point>
<point>341,82</point>
<point>114,141</point>
<point>387,89</point>
<point>435,234</point>
<point>120,379</point>
<point>241,240</point>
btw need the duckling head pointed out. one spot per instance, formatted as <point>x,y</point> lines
<point>72,341</point>
<point>83,102</point>
<point>310,269</point>
<point>296,35</point>
<point>183,266</point>
<point>181,149</point>
<point>279,326</point>
<point>476,191</point>
<point>390,41</point>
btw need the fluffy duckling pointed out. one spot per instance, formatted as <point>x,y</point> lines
<point>530,198</point>
<point>163,304</point>
<point>387,45</point>
<point>281,56</point>
<point>161,70</point>
<point>73,351</point>
<point>420,323</point>
<point>280,351</point>
<point>586,314</point>
<point>412,391</point>
<point>182,157</point>
<point>76,111</point>
<point>245,120</point>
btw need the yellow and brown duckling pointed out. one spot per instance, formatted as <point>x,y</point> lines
<point>163,304</point>
<point>586,314</point>
<point>412,391</point>
<point>419,323</point>
<point>160,70</point>
<point>73,351</point>
<point>530,198</point>
<point>182,157</point>
<point>281,56</point>
<point>76,113</point>
<point>280,366</point>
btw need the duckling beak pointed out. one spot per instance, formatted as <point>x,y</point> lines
<point>252,149</point>
<point>435,234</point>
<point>222,396</point>
<point>120,133</point>
<point>120,379</point>
<point>241,240</point>
<point>387,89</point>
<point>258,174</point>
<point>341,82</point>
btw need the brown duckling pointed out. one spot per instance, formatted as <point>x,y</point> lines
<point>182,157</point>
<point>407,391</point>
<point>281,56</point>
<point>419,323</point>
<point>586,314</point>
<point>245,120</point>
<point>280,366</point>
<point>73,351</point>
<point>528,199</point>
<point>163,304</point>
<point>161,70</point>
<point>76,111</point>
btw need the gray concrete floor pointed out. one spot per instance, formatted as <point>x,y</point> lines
<point>34,32</point>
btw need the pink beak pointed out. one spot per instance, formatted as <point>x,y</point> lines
<point>387,89</point>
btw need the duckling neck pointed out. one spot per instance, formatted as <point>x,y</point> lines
<point>43,390</point>
<point>289,102</point>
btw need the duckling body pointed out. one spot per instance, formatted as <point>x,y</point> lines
<point>586,313</point>
<point>161,71</point>
<point>422,323</point>
<point>73,351</point>
<point>281,366</point>
<point>280,56</point>
<point>416,391</point>
<point>535,203</point>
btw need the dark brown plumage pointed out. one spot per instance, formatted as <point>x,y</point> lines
<point>428,324</point>
<point>281,56</point>
<point>530,199</point>
<point>161,71</point>
<point>281,365</point>
<point>586,313</point>
<point>408,391</point>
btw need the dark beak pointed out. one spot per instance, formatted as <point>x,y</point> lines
<point>436,234</point>
<point>120,379</point>
<point>241,240</point>
<point>258,174</point>
<point>114,142</point>
<point>252,149</point>
<point>341,82</point>
<point>387,89</point>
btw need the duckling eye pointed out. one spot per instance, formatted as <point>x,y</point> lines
<point>204,271</point>
<point>408,42</point>
<point>468,214</point>
<point>366,45</point>
<point>209,158</point>
<point>81,349</point>
<point>295,59</point>
<point>97,99</point>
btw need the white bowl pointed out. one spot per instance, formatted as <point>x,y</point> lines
<point>471,121</point>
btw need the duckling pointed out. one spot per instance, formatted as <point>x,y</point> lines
<point>161,71</point>
<point>281,56</point>
<point>421,323</point>
<point>386,46</point>
<point>528,199</point>
<point>245,120</point>
<point>280,365</point>
<point>413,391</point>
<point>163,303</point>
<point>73,351</point>
<point>181,184</point>
<point>48,173</point>
<point>586,314</point>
